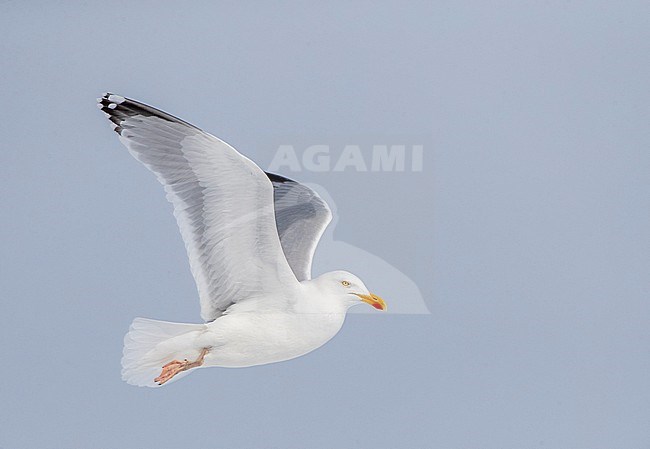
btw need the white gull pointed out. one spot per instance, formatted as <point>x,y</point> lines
<point>250,238</point>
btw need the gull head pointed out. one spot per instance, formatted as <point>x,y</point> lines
<point>349,289</point>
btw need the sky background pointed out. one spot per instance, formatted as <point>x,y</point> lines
<point>526,231</point>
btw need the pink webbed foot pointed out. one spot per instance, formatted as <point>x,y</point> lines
<point>175,366</point>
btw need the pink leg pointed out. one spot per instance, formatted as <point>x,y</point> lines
<point>174,367</point>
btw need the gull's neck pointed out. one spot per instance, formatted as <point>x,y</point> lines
<point>317,299</point>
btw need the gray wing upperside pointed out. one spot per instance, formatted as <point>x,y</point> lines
<point>301,217</point>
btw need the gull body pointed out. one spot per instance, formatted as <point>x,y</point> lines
<point>250,238</point>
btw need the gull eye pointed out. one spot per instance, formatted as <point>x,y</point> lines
<point>345,283</point>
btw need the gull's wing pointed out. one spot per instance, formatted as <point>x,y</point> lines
<point>301,217</point>
<point>223,204</point>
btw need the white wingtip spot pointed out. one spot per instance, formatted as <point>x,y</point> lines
<point>99,105</point>
<point>116,99</point>
<point>112,106</point>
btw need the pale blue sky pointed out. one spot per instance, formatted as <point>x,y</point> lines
<point>526,231</point>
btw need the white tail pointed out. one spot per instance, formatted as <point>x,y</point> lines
<point>150,344</point>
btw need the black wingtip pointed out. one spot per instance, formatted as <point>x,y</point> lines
<point>110,105</point>
<point>278,179</point>
<point>119,108</point>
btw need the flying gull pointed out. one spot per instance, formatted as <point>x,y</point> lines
<point>250,237</point>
